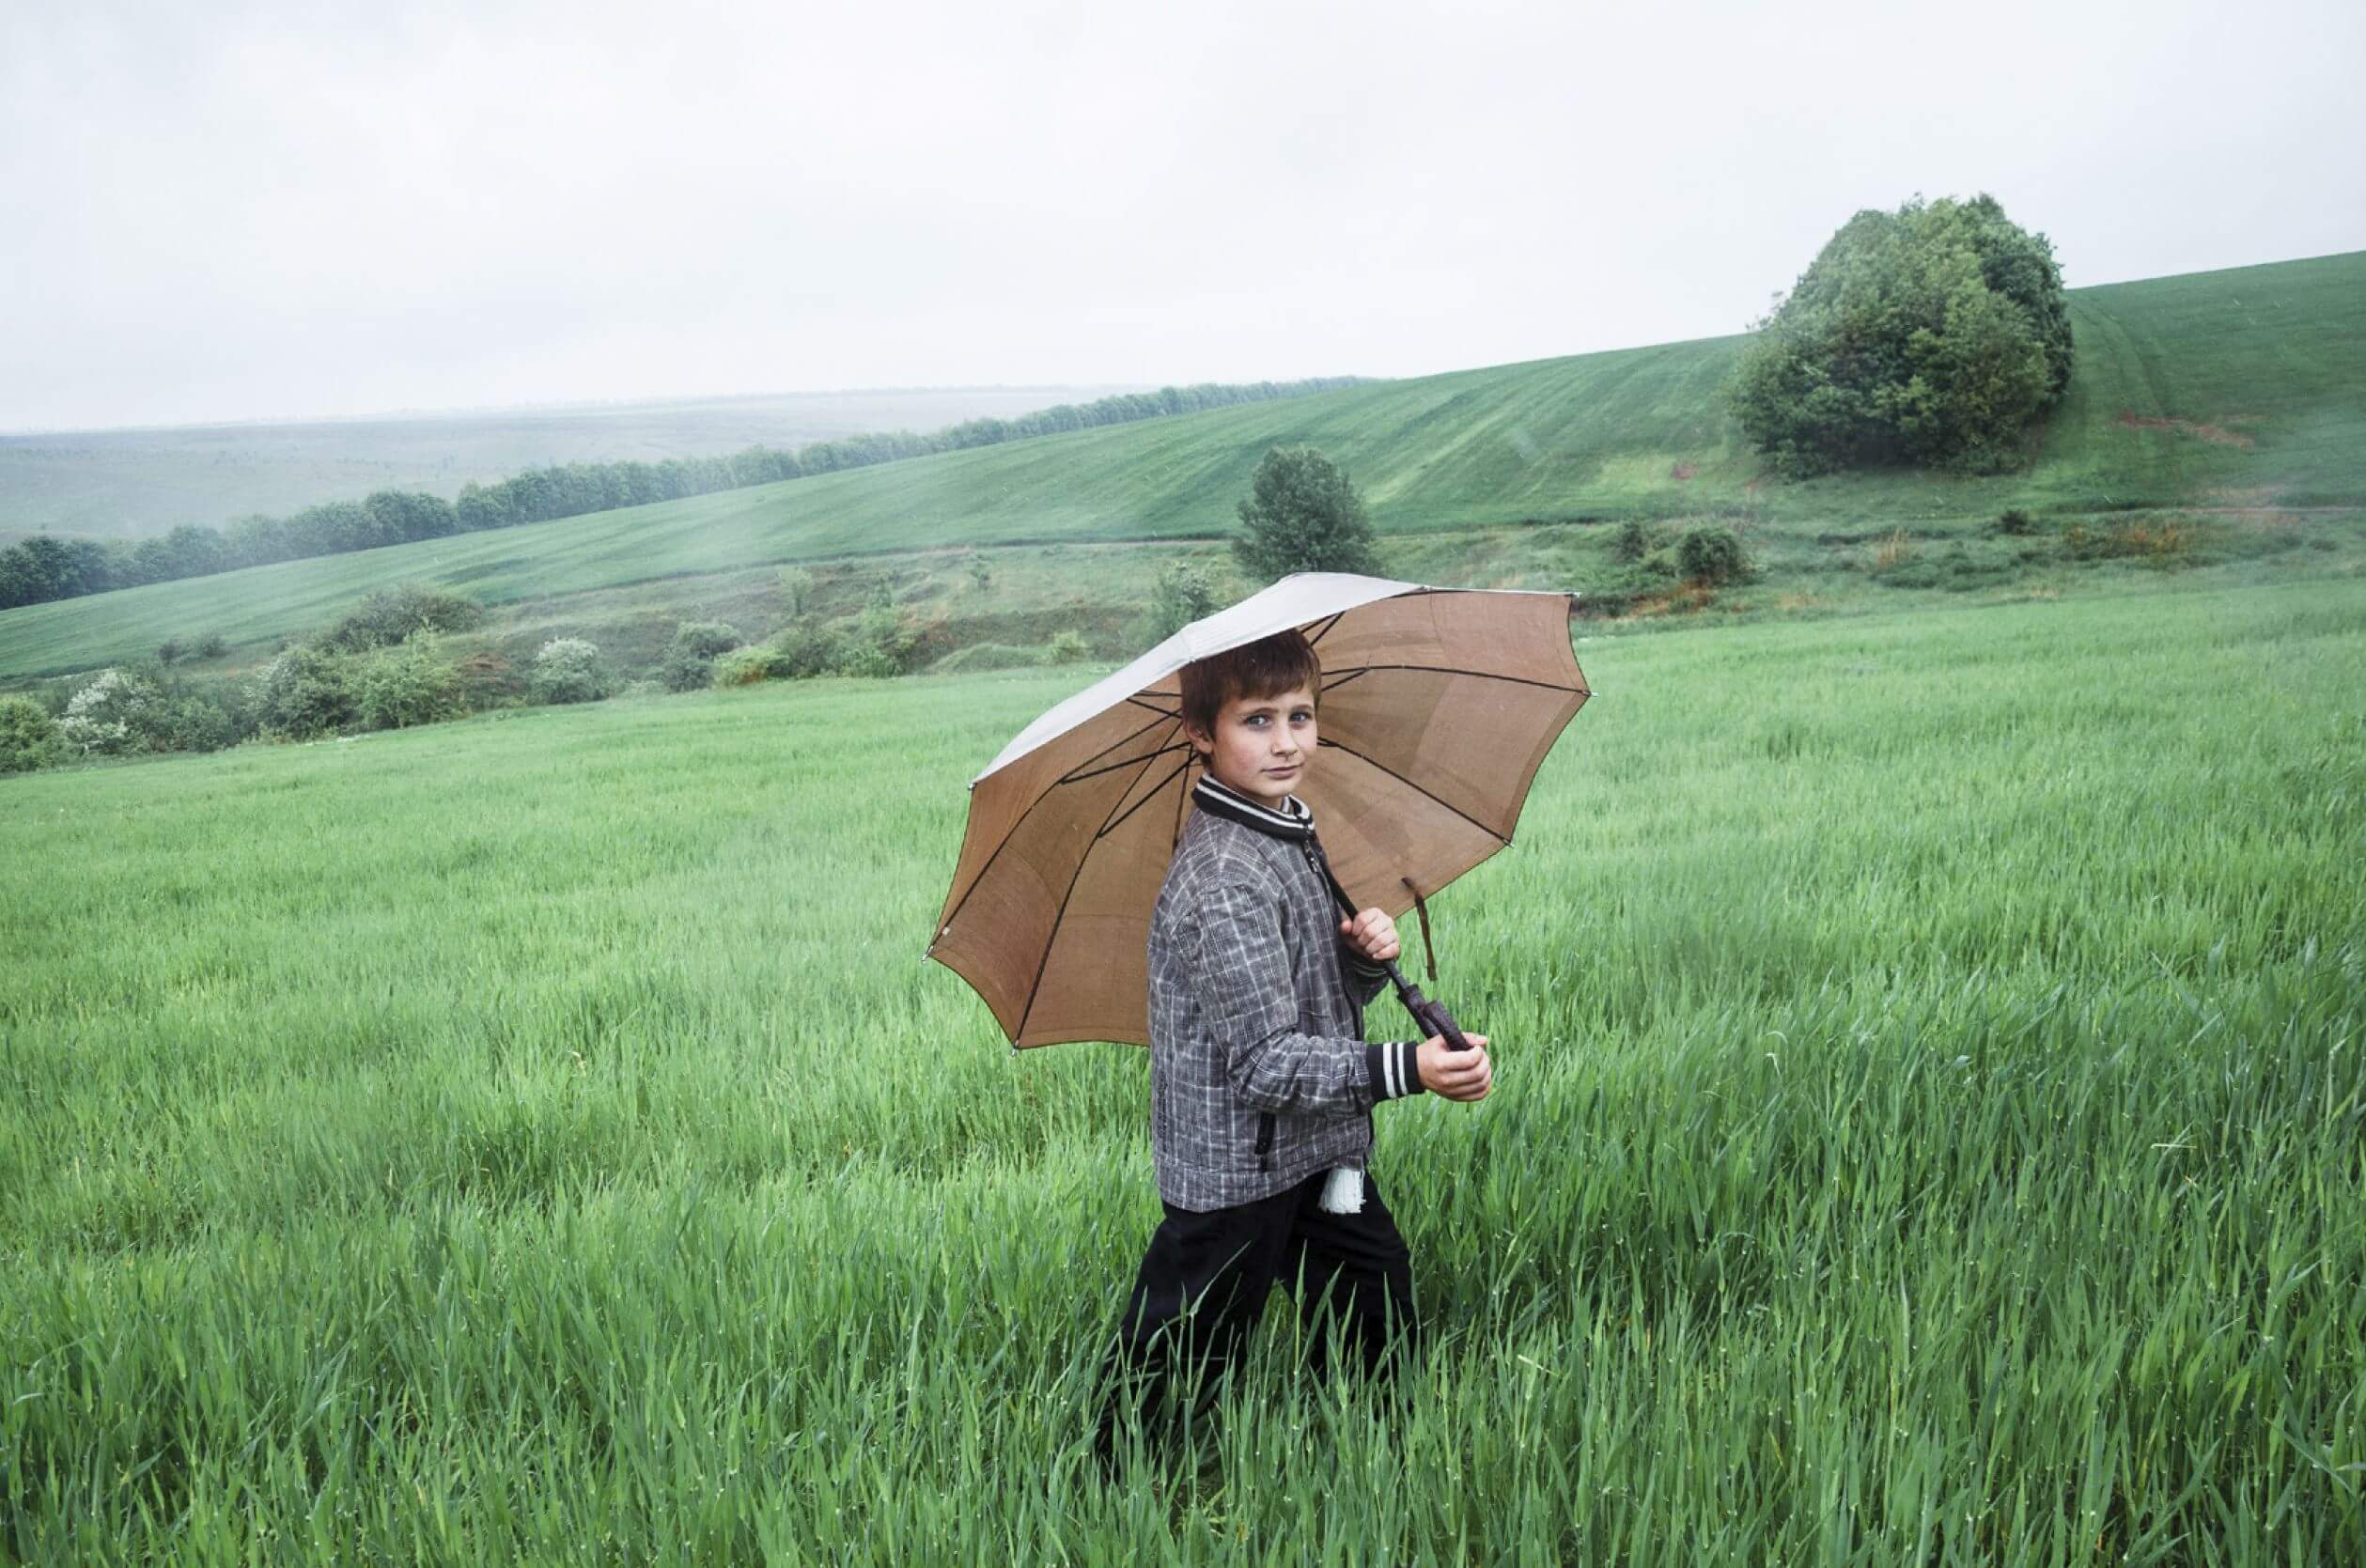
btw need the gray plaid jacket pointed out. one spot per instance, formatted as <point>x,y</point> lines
<point>1259,1072</point>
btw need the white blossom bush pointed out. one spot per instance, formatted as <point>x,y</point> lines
<point>569,670</point>
<point>305,691</point>
<point>100,718</point>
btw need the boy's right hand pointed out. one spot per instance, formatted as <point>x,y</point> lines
<point>1456,1075</point>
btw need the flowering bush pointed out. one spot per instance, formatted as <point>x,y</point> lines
<point>569,670</point>
<point>303,693</point>
<point>102,718</point>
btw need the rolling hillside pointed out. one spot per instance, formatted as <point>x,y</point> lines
<point>2236,392</point>
<point>130,483</point>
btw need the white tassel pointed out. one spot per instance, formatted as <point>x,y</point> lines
<point>1344,1193</point>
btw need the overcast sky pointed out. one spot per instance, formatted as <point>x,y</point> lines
<point>232,210</point>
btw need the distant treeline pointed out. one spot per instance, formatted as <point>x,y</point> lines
<point>42,568</point>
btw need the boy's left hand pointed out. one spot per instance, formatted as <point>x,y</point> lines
<point>1373,934</point>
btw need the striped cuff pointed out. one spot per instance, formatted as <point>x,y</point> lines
<point>1395,1068</point>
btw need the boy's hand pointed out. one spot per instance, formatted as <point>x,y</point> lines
<point>1456,1075</point>
<point>1372,934</point>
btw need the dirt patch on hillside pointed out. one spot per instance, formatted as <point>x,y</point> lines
<point>1684,471</point>
<point>2217,434</point>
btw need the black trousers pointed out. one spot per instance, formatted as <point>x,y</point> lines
<point>1203,1282</point>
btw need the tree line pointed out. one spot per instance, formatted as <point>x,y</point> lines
<point>42,568</point>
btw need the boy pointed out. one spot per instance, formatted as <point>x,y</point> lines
<point>1261,1083</point>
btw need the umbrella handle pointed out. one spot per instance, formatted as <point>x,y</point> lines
<point>1432,1015</point>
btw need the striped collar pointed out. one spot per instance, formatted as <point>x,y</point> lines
<point>1295,820</point>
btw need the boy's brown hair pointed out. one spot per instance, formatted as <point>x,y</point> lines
<point>1265,668</point>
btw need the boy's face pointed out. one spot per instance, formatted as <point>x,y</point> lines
<point>1263,746</point>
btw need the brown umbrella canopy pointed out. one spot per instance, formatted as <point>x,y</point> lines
<point>1437,706</point>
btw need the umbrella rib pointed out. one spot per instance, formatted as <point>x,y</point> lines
<point>1417,789</point>
<point>1038,801</point>
<point>1122,762</point>
<point>1475,674</point>
<point>1073,774</point>
<point>1051,938</point>
<point>1144,802</point>
<point>1327,626</point>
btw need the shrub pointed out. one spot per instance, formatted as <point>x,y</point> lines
<point>797,591</point>
<point>168,650</point>
<point>1069,647</point>
<point>1182,595</point>
<point>569,670</point>
<point>1303,514</point>
<point>1933,336</point>
<point>706,639</point>
<point>406,684</point>
<point>212,646</point>
<point>798,652</point>
<point>28,737</point>
<point>486,680</point>
<point>107,716</point>
<point>305,691</point>
<point>389,615</point>
<point>1631,543</point>
<point>1712,555</point>
<point>857,657</point>
<point>683,671</point>
<point>742,667</point>
<point>184,714</point>
<point>688,665</point>
<point>2016,522</point>
<point>879,644</point>
<point>981,575</point>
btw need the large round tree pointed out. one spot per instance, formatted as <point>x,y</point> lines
<point>1933,336</point>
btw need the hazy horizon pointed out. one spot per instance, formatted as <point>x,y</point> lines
<point>579,405</point>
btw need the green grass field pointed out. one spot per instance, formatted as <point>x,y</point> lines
<point>1927,1129</point>
<point>2263,362</point>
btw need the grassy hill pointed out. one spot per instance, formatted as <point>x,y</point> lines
<point>134,482</point>
<point>2233,399</point>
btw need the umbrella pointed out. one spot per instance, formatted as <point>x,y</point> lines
<point>1438,706</point>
